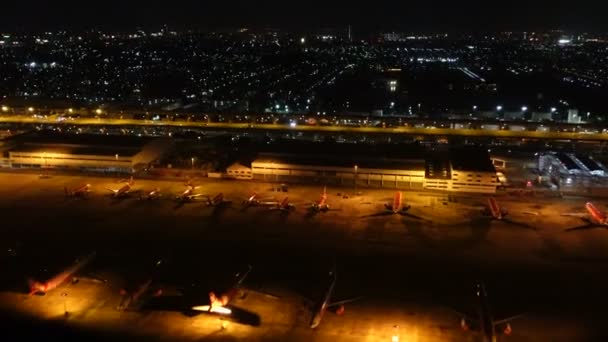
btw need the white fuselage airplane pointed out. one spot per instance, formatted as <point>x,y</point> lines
<point>217,200</point>
<point>321,205</point>
<point>52,283</point>
<point>131,298</point>
<point>219,305</point>
<point>81,191</point>
<point>123,190</point>
<point>188,194</point>
<point>485,321</point>
<point>284,205</point>
<point>152,195</point>
<point>325,303</point>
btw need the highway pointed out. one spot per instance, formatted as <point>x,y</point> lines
<point>414,131</point>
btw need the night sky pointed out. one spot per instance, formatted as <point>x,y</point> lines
<point>365,16</point>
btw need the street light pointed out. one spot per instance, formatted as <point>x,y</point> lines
<point>524,108</point>
<point>5,108</point>
<point>498,108</point>
<point>70,110</point>
<point>30,109</point>
<point>98,111</point>
<point>553,109</point>
<point>356,169</point>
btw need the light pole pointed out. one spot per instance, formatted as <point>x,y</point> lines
<point>356,169</point>
<point>192,159</point>
<point>65,306</point>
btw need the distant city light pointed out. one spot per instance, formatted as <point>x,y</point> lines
<point>564,41</point>
<point>524,109</point>
<point>292,124</point>
<point>98,111</point>
<point>33,64</point>
<point>30,109</point>
<point>499,108</point>
<point>553,109</point>
<point>303,40</point>
<point>4,108</point>
<point>474,107</point>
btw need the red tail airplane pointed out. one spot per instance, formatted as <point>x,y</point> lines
<point>219,305</point>
<point>44,287</point>
<point>594,217</point>
<point>321,205</point>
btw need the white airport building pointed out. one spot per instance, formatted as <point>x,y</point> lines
<point>120,154</point>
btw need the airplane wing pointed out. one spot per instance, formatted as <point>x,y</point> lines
<point>579,215</point>
<point>519,224</point>
<point>583,227</point>
<point>507,320</point>
<point>342,302</point>
<point>386,213</point>
<point>406,214</point>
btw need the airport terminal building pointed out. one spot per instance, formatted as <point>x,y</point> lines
<point>456,170</point>
<point>90,153</point>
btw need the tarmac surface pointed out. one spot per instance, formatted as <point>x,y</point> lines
<point>415,276</point>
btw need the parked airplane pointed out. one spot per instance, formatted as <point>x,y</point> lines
<point>188,194</point>
<point>132,298</point>
<point>396,207</point>
<point>283,206</point>
<point>44,287</point>
<point>81,191</point>
<point>321,307</point>
<point>217,200</point>
<point>255,201</point>
<point>496,212</point>
<point>219,305</point>
<point>152,195</point>
<point>485,322</point>
<point>321,204</point>
<point>122,191</point>
<point>594,217</point>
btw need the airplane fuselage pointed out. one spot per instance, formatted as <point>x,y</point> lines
<point>485,314</point>
<point>322,307</point>
<point>37,287</point>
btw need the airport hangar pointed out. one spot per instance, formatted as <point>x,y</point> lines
<point>82,152</point>
<point>457,171</point>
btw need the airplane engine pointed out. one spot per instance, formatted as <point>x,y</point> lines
<point>340,310</point>
<point>508,330</point>
<point>464,325</point>
<point>37,286</point>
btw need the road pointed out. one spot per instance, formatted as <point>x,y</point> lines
<point>439,132</point>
